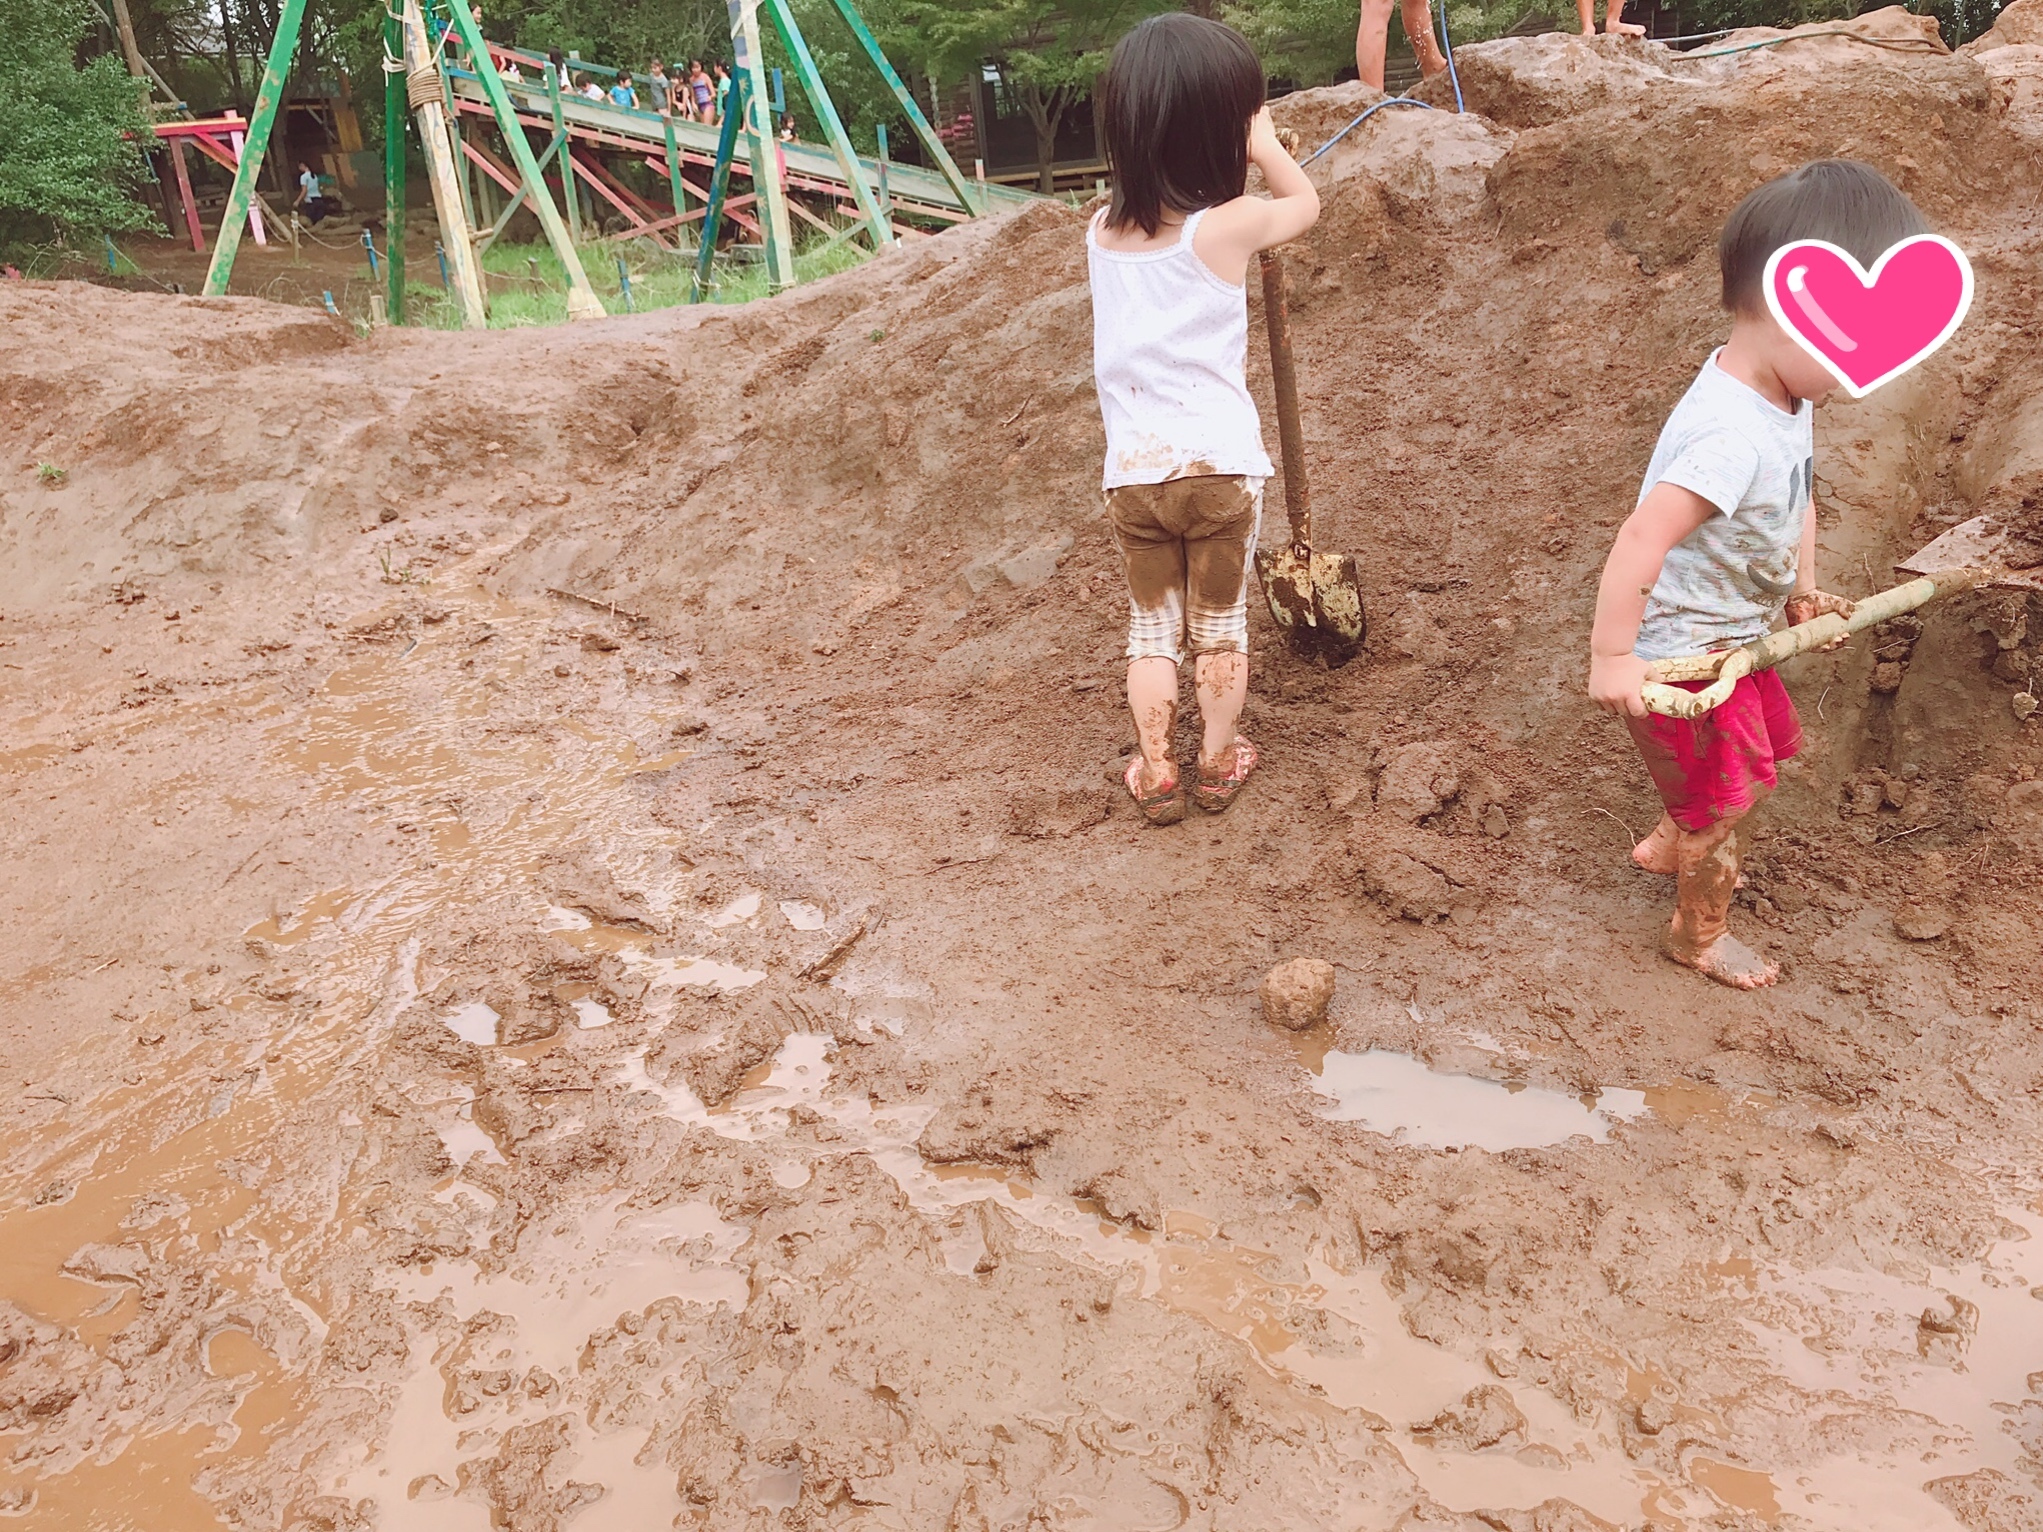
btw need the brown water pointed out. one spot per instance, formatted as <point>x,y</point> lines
<point>168,1147</point>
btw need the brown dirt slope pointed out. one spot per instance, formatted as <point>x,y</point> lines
<point>575,958</point>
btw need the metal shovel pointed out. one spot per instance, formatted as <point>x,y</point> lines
<point>1314,597</point>
<point>1982,551</point>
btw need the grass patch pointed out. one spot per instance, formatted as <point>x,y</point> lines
<point>528,286</point>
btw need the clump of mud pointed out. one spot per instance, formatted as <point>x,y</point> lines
<point>577,958</point>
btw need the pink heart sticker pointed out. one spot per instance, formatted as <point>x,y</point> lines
<point>1868,328</point>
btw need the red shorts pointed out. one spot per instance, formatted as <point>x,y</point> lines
<point>1718,766</point>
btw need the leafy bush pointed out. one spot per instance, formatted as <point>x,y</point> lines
<point>70,138</point>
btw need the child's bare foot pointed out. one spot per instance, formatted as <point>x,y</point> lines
<point>1727,960</point>
<point>1656,852</point>
<point>1618,28</point>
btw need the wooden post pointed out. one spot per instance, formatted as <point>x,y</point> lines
<point>782,16</point>
<point>568,194</point>
<point>760,146</point>
<point>184,193</point>
<point>930,142</point>
<point>268,99</point>
<point>255,202</point>
<point>719,188</point>
<point>582,302</point>
<point>464,177</point>
<point>886,195</point>
<point>394,117</point>
<point>422,89</point>
<point>674,181</point>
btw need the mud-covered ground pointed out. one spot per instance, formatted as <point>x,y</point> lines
<point>574,957</point>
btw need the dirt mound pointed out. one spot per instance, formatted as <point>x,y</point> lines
<point>575,955</point>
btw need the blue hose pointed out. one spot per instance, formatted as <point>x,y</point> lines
<point>1447,47</point>
<point>1351,127</point>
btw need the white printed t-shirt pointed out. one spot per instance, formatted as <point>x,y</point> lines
<point>1725,583</point>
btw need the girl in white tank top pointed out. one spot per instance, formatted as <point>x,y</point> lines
<point>1169,339</point>
<point>1181,103</point>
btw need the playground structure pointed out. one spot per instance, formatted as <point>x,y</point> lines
<point>452,82</point>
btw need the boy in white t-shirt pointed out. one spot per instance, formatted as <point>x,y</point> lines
<point>1720,546</point>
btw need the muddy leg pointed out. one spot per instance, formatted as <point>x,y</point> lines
<point>1153,700</point>
<point>1220,682</point>
<point>1586,9</point>
<point>1656,853</point>
<point>1699,936</point>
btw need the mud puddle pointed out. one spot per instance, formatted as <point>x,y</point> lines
<point>1193,1267</point>
<point>164,1173</point>
<point>1402,1098</point>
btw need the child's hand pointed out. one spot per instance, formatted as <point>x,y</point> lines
<point>1808,605</point>
<point>1615,681</point>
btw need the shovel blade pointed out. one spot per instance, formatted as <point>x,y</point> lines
<point>1992,554</point>
<point>1316,599</point>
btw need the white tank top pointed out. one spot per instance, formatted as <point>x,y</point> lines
<point>1168,342</point>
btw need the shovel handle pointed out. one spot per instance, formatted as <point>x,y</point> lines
<point>1284,383</point>
<point>1723,670</point>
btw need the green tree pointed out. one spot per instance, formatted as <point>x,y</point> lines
<point>1048,52</point>
<point>68,135</point>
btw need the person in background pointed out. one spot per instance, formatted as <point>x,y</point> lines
<point>591,90</point>
<point>787,127</point>
<point>559,67</point>
<point>511,73</point>
<point>723,90</point>
<point>701,91</point>
<point>622,94</point>
<point>1611,24</point>
<point>659,90</point>
<point>1372,38</point>
<point>309,199</point>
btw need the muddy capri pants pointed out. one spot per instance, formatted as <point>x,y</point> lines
<point>1187,546</point>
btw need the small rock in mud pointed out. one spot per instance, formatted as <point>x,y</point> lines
<point>1486,1417</point>
<point>1417,782</point>
<point>1034,566</point>
<point>1296,994</point>
<point>1400,881</point>
<point>1922,922</point>
<point>1495,825</point>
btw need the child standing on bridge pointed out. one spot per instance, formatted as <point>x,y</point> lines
<point>1720,545</point>
<point>1181,103</point>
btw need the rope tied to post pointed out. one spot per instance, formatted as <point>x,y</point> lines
<point>422,87</point>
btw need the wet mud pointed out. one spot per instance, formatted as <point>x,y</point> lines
<point>627,992</point>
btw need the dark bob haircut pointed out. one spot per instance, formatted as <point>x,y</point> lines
<point>1843,202</point>
<point>1175,103</point>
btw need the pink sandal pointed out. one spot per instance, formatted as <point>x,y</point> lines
<point>1164,806</point>
<point>1214,793</point>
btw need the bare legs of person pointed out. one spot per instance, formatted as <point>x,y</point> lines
<point>1219,681</point>
<point>1153,699</point>
<point>1706,875</point>
<point>1656,853</point>
<point>1611,24</point>
<point>1372,39</point>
